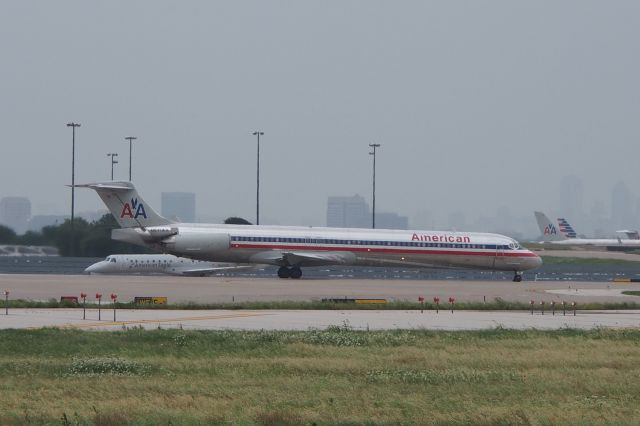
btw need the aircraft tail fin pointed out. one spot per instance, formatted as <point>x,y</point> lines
<point>566,229</point>
<point>548,230</point>
<point>126,206</point>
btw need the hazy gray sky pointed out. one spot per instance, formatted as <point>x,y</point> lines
<point>477,105</point>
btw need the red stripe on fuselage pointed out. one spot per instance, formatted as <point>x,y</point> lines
<point>459,252</point>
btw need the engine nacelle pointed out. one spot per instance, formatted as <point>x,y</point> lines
<point>197,244</point>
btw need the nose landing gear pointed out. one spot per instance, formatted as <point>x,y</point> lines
<point>517,277</point>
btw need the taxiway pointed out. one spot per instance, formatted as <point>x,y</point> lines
<point>228,290</point>
<point>233,290</point>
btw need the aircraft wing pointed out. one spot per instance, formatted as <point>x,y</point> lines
<point>303,258</point>
<point>322,258</point>
<point>200,272</point>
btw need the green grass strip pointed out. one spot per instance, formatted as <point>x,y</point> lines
<point>337,376</point>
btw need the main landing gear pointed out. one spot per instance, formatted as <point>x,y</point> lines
<point>294,272</point>
<point>517,277</point>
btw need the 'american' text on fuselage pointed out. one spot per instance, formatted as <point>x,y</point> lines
<point>441,238</point>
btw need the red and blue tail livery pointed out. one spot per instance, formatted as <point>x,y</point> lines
<point>566,229</point>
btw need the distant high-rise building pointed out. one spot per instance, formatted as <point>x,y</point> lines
<point>15,213</point>
<point>572,200</point>
<point>456,221</point>
<point>622,206</point>
<point>348,212</point>
<point>599,219</point>
<point>179,205</point>
<point>391,221</point>
<point>423,219</point>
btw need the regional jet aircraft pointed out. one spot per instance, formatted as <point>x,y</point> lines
<point>157,264</point>
<point>564,234</point>
<point>292,248</point>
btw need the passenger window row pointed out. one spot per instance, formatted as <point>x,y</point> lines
<point>370,243</point>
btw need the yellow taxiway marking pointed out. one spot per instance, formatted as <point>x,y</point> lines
<point>160,320</point>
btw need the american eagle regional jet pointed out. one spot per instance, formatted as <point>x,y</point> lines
<point>159,264</point>
<point>292,248</point>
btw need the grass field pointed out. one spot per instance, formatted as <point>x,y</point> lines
<point>337,376</point>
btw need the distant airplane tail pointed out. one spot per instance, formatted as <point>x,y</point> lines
<point>548,230</point>
<point>566,229</point>
<point>126,206</point>
<point>631,234</point>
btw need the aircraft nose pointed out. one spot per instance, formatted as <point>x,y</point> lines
<point>535,261</point>
<point>91,268</point>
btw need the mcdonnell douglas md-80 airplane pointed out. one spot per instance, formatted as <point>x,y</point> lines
<point>292,248</point>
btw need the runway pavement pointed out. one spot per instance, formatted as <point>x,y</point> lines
<point>218,289</point>
<point>314,319</point>
<point>227,290</point>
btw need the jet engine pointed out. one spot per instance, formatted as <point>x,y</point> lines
<point>197,244</point>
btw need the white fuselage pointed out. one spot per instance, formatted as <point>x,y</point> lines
<point>154,264</point>
<point>311,246</point>
<point>596,242</point>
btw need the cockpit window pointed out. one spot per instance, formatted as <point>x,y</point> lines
<point>113,260</point>
<point>514,245</point>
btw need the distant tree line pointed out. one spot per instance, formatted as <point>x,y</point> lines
<point>92,239</point>
<point>233,220</point>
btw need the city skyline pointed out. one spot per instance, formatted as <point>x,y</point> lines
<point>477,110</point>
<point>354,212</point>
<point>599,218</point>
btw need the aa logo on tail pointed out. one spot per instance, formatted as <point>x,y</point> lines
<point>129,208</point>
<point>550,230</point>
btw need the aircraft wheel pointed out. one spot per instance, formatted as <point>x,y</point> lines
<point>295,272</point>
<point>517,278</point>
<point>284,272</point>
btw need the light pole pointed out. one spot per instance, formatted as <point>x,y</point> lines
<point>258,134</point>
<point>73,181</point>
<point>113,156</point>
<point>130,139</point>
<point>374,146</point>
